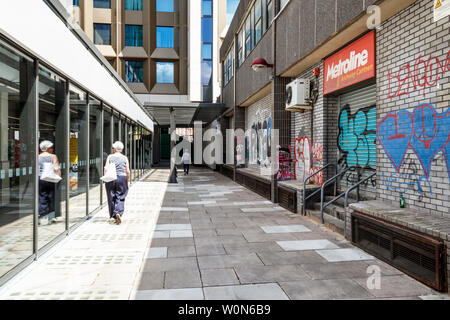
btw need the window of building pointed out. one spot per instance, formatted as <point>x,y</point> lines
<point>134,71</point>
<point>207,30</point>
<point>133,35</point>
<point>207,51</point>
<point>164,5</point>
<point>76,3</point>
<point>133,5</point>
<point>240,52</point>
<point>269,13</point>
<point>228,67</point>
<point>258,21</point>
<point>164,37</point>
<point>102,4</point>
<point>102,34</point>
<point>248,35</point>
<point>207,8</point>
<point>206,72</point>
<point>165,72</point>
<point>283,3</point>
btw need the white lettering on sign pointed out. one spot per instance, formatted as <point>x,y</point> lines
<point>343,67</point>
<point>2,174</point>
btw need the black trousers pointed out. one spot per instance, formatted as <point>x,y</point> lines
<point>117,191</point>
<point>186,168</point>
<point>46,197</point>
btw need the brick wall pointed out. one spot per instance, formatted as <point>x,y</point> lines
<point>304,140</point>
<point>413,69</point>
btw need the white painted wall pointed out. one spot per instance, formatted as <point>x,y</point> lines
<point>35,26</point>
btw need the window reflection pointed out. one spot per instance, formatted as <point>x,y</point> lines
<point>95,153</point>
<point>17,158</point>
<point>107,143</point>
<point>78,155</point>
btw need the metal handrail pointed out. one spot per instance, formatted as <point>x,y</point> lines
<point>356,185</point>
<point>312,194</point>
<point>322,191</point>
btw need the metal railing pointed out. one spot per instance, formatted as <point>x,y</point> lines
<point>353,187</point>
<point>322,192</point>
<point>315,192</point>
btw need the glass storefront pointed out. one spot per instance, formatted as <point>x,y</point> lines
<point>17,157</point>
<point>52,134</point>
<point>54,140</point>
<point>95,153</point>
<point>78,155</point>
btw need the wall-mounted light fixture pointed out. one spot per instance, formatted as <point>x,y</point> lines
<point>259,64</point>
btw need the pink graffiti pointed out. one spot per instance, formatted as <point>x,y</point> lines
<point>424,73</point>
<point>304,164</point>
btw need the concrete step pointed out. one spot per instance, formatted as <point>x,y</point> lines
<point>330,222</point>
<point>333,210</point>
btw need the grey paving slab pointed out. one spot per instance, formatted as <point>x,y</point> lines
<point>171,227</point>
<point>161,234</point>
<point>181,251</point>
<point>170,264</point>
<point>285,229</point>
<point>266,237</point>
<point>274,273</point>
<point>210,249</point>
<point>171,242</point>
<point>170,294</point>
<point>151,280</point>
<point>184,278</point>
<point>218,277</point>
<point>300,245</point>
<point>252,247</point>
<point>347,254</point>
<point>337,270</point>
<point>227,261</point>
<point>157,252</point>
<point>181,234</point>
<point>269,291</point>
<point>395,286</point>
<point>293,257</point>
<point>324,289</point>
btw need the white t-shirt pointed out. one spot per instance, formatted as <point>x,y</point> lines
<point>186,158</point>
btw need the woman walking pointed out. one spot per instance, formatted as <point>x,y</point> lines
<point>46,188</point>
<point>117,190</point>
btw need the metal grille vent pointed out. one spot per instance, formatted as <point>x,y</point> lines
<point>420,256</point>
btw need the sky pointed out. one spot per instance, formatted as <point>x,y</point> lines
<point>231,8</point>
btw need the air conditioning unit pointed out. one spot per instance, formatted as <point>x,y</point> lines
<point>298,95</point>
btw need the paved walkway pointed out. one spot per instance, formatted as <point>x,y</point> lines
<point>206,238</point>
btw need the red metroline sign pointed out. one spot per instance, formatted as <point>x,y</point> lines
<point>353,64</point>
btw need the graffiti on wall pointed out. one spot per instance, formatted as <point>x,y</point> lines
<point>284,164</point>
<point>308,160</point>
<point>357,137</point>
<point>259,148</point>
<point>424,131</point>
<point>422,74</point>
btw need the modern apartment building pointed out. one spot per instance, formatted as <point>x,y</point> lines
<point>165,50</point>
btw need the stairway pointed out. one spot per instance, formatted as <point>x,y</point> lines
<point>334,214</point>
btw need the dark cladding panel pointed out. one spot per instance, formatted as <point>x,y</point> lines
<point>347,10</point>
<point>307,21</point>
<point>325,19</point>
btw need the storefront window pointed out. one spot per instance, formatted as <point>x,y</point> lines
<point>123,133</point>
<point>52,156</point>
<point>95,153</point>
<point>107,142</point>
<point>78,155</point>
<point>116,132</point>
<point>17,158</point>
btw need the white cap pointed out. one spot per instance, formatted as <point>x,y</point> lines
<point>118,146</point>
<point>45,145</point>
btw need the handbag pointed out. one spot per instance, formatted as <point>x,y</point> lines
<point>49,174</point>
<point>110,174</point>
